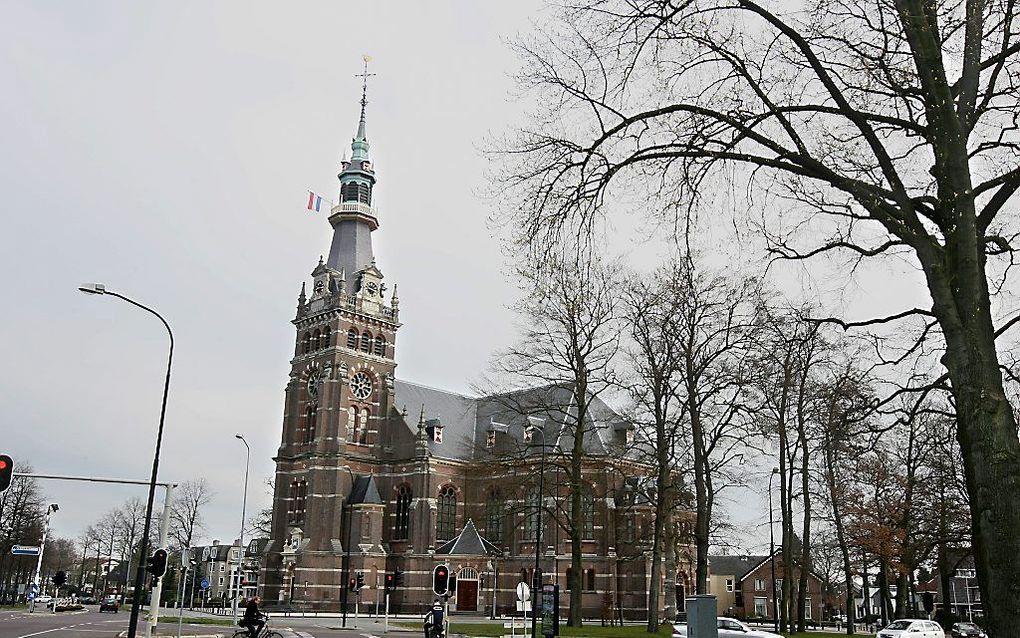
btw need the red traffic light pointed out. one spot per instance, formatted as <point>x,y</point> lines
<point>6,472</point>
<point>441,580</point>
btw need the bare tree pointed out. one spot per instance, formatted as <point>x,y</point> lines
<point>882,128</point>
<point>186,514</point>
<point>649,308</point>
<point>21,523</point>
<point>260,524</point>
<point>567,346</point>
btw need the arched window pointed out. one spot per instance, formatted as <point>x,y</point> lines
<point>587,515</point>
<point>306,343</point>
<point>325,337</point>
<point>350,192</point>
<point>446,522</point>
<point>494,517</point>
<point>587,524</point>
<point>589,579</point>
<point>311,417</point>
<point>532,511</point>
<point>298,493</point>
<point>363,426</point>
<point>352,339</point>
<point>315,340</point>
<point>380,346</point>
<point>366,342</point>
<point>403,523</point>
<point>364,193</point>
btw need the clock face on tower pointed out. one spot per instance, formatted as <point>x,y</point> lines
<point>371,288</point>
<point>361,386</point>
<point>314,383</point>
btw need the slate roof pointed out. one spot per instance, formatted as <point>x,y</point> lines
<point>468,543</point>
<point>466,420</point>
<point>365,491</point>
<point>455,411</point>
<point>736,566</point>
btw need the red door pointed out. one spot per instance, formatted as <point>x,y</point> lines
<point>467,595</point>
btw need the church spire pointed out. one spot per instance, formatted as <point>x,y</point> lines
<point>359,146</point>
<point>354,218</point>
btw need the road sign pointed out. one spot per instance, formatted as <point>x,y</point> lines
<point>523,591</point>
<point>25,550</point>
<point>205,583</point>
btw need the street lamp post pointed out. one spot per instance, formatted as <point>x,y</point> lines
<point>536,578</point>
<point>240,542</point>
<point>136,603</point>
<point>772,552</point>
<point>346,570</point>
<point>52,507</point>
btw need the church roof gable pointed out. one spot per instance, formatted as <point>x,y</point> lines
<point>468,543</point>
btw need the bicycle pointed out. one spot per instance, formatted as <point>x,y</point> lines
<point>264,632</point>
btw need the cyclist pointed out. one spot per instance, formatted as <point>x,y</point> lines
<point>253,619</point>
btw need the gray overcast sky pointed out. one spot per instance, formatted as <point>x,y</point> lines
<point>166,149</point>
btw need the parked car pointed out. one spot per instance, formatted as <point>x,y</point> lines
<point>43,599</point>
<point>912,629</point>
<point>110,603</point>
<point>967,630</point>
<point>732,628</point>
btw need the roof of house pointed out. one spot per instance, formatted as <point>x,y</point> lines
<point>736,566</point>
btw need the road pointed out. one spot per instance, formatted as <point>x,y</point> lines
<point>91,624</point>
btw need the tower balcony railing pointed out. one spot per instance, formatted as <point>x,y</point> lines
<point>358,208</point>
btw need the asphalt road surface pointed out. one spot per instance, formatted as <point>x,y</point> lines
<point>91,624</point>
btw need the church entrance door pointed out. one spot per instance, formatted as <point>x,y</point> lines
<point>467,590</point>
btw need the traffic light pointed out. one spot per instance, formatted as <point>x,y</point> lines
<point>388,582</point>
<point>6,472</point>
<point>157,563</point>
<point>360,581</point>
<point>441,580</point>
<point>352,584</point>
<point>59,578</point>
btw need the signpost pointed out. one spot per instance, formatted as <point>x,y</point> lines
<point>25,550</point>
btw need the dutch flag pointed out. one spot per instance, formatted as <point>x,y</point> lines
<point>314,202</point>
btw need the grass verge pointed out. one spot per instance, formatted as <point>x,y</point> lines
<point>191,620</point>
<point>491,630</point>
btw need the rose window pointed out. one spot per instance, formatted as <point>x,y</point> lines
<point>361,386</point>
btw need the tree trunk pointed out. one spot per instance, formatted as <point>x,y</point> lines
<point>576,526</point>
<point>669,564</point>
<point>991,459</point>
<point>902,589</point>
<point>883,589</point>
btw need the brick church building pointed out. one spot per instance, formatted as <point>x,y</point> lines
<point>401,475</point>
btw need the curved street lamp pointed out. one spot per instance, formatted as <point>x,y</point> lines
<point>244,506</point>
<point>536,424</point>
<point>136,603</point>
<point>772,551</point>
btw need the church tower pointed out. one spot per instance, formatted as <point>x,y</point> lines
<point>337,400</point>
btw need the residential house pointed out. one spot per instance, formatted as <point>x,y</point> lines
<point>743,587</point>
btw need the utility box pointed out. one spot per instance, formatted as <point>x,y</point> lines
<point>701,619</point>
